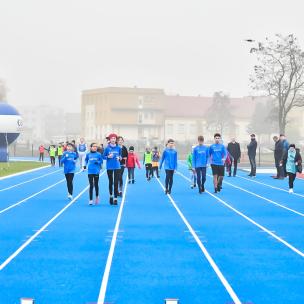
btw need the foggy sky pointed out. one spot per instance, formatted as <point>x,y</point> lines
<point>51,50</point>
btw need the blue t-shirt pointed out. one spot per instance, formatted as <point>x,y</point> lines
<point>114,162</point>
<point>69,161</point>
<point>170,158</point>
<point>217,153</point>
<point>93,162</point>
<point>82,148</point>
<point>200,156</point>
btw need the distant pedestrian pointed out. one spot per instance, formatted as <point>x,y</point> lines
<point>169,157</point>
<point>252,147</point>
<point>285,147</point>
<point>293,160</point>
<point>52,153</point>
<point>191,168</point>
<point>41,153</point>
<point>59,154</point>
<point>155,162</point>
<point>82,152</point>
<point>124,156</point>
<point>131,163</point>
<point>235,154</point>
<point>147,162</point>
<point>278,156</point>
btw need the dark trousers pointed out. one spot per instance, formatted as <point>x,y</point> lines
<point>52,160</point>
<point>131,174</point>
<point>169,179</point>
<point>149,172</point>
<point>235,164</point>
<point>69,179</point>
<point>253,165</point>
<point>291,179</point>
<point>201,177</point>
<point>93,180</point>
<point>280,169</point>
<point>41,156</point>
<point>59,160</point>
<point>120,180</point>
<point>113,176</point>
<point>155,169</point>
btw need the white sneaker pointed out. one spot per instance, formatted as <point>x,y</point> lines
<point>291,190</point>
<point>70,197</point>
<point>90,203</point>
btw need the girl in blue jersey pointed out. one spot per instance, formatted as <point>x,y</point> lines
<point>170,158</point>
<point>68,160</point>
<point>93,162</point>
<point>112,154</point>
<point>82,150</point>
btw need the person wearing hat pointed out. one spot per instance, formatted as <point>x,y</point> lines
<point>252,147</point>
<point>131,162</point>
<point>112,154</point>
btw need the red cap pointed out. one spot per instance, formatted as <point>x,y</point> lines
<point>112,135</point>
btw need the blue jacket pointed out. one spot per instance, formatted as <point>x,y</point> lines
<point>69,161</point>
<point>93,161</point>
<point>170,158</point>
<point>217,153</point>
<point>114,162</point>
<point>200,156</point>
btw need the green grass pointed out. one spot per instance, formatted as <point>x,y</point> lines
<point>15,167</point>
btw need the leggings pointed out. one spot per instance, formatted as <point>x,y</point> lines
<point>69,179</point>
<point>131,174</point>
<point>149,171</point>
<point>291,179</point>
<point>52,160</point>
<point>113,174</point>
<point>169,179</point>
<point>120,180</point>
<point>155,169</point>
<point>93,180</point>
<point>41,156</point>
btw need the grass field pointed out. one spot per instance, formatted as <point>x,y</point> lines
<point>16,167</point>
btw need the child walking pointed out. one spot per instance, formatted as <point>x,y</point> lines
<point>191,168</point>
<point>93,162</point>
<point>169,157</point>
<point>68,160</point>
<point>112,154</point>
<point>132,161</point>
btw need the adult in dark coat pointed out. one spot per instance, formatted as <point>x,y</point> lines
<point>252,147</point>
<point>235,152</point>
<point>278,156</point>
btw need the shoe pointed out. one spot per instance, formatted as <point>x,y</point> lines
<point>70,197</point>
<point>290,191</point>
<point>229,175</point>
<point>158,176</point>
<point>250,175</point>
<point>200,191</point>
<point>133,181</point>
<point>192,186</point>
<point>111,200</point>
<point>219,188</point>
<point>129,182</point>
<point>120,193</point>
<point>96,200</point>
<point>90,203</point>
<point>166,191</point>
<point>169,191</point>
<point>203,188</point>
<point>115,201</point>
<point>215,190</point>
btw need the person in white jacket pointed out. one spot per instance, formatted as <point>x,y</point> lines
<point>82,151</point>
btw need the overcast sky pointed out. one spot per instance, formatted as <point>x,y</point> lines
<point>51,50</point>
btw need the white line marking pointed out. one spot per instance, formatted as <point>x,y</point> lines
<point>24,172</point>
<point>264,198</point>
<point>267,185</point>
<point>252,221</point>
<point>21,248</point>
<point>30,180</point>
<point>105,278</point>
<point>33,195</point>
<point>205,252</point>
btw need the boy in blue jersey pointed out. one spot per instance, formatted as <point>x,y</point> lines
<point>170,158</point>
<point>199,162</point>
<point>93,162</point>
<point>82,150</point>
<point>218,155</point>
<point>68,160</point>
<point>112,154</point>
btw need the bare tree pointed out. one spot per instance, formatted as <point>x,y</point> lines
<point>218,116</point>
<point>3,90</point>
<point>279,74</point>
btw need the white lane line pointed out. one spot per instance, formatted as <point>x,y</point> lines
<point>24,172</point>
<point>264,198</point>
<point>294,249</point>
<point>106,274</point>
<point>205,252</point>
<point>267,185</point>
<point>28,181</point>
<point>33,195</point>
<point>43,228</point>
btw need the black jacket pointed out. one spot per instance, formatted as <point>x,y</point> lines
<point>252,148</point>
<point>124,155</point>
<point>234,150</point>
<point>278,150</point>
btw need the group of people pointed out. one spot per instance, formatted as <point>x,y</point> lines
<point>118,158</point>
